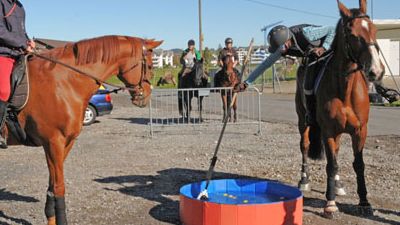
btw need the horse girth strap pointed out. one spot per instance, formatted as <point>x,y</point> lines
<point>99,81</point>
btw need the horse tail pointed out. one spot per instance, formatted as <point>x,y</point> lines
<point>316,148</point>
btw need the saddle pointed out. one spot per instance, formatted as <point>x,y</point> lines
<point>18,100</point>
<point>19,84</point>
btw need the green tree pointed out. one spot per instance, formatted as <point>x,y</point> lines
<point>207,55</point>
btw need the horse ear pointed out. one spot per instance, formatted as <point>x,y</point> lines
<point>363,6</point>
<point>344,11</point>
<point>151,44</point>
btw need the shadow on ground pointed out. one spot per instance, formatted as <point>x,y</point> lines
<point>9,196</point>
<point>350,209</point>
<point>160,187</point>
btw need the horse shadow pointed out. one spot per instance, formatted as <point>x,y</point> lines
<point>161,187</point>
<point>9,196</point>
<point>350,209</point>
<point>12,219</point>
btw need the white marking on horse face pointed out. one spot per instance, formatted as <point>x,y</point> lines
<point>376,65</point>
<point>365,24</point>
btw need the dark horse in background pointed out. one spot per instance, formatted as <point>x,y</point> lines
<point>228,77</point>
<point>342,102</point>
<point>53,115</point>
<point>195,79</point>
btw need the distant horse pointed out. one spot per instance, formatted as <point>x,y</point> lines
<point>342,103</point>
<point>195,79</point>
<point>168,78</point>
<point>227,77</point>
<point>59,96</point>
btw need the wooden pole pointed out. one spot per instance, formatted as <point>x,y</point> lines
<point>200,31</point>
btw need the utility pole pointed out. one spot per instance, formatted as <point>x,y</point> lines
<point>372,10</point>
<point>200,31</point>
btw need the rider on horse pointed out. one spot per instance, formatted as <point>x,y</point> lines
<point>307,41</point>
<point>226,52</point>
<point>13,42</point>
<point>188,58</point>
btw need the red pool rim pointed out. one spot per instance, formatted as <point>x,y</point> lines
<point>196,212</point>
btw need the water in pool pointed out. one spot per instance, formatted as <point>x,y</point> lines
<point>235,198</point>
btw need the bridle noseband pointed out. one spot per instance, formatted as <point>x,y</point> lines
<point>348,48</point>
<point>137,89</point>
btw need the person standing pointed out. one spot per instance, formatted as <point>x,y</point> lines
<point>14,42</point>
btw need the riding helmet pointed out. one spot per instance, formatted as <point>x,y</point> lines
<point>278,36</point>
<point>191,42</point>
<point>228,40</point>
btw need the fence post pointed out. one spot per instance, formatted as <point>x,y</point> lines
<point>151,118</point>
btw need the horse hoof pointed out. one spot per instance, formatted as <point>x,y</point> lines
<point>329,215</point>
<point>305,187</point>
<point>51,221</point>
<point>340,191</point>
<point>330,210</point>
<point>365,209</point>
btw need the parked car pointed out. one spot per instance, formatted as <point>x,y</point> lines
<point>100,104</point>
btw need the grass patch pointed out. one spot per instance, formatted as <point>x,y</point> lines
<point>393,104</point>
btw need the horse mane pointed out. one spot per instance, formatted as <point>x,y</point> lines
<point>339,28</point>
<point>104,49</point>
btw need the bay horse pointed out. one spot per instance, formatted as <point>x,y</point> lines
<point>228,77</point>
<point>59,96</point>
<point>195,79</point>
<point>342,102</point>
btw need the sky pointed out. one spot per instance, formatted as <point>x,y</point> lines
<point>176,21</point>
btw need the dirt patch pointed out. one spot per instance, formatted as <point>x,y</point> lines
<point>116,174</point>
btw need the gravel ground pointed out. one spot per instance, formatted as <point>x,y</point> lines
<point>116,174</point>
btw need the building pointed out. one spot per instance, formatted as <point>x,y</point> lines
<point>163,58</point>
<point>388,38</point>
<point>258,56</point>
<point>47,44</point>
<point>242,52</point>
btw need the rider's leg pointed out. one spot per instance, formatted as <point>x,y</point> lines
<point>6,66</point>
<point>311,73</point>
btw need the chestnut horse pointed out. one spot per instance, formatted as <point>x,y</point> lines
<point>342,102</point>
<point>59,96</point>
<point>228,77</point>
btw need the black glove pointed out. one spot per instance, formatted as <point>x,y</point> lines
<point>240,87</point>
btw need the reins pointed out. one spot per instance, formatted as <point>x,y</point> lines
<point>99,81</point>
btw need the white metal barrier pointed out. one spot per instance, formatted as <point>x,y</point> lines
<point>164,110</point>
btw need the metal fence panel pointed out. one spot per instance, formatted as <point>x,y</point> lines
<point>167,111</point>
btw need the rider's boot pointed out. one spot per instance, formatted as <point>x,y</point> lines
<point>3,115</point>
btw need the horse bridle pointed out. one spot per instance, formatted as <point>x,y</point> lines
<point>136,89</point>
<point>348,49</point>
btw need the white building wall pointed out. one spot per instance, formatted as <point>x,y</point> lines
<point>391,50</point>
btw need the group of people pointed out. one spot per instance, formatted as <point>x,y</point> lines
<point>306,41</point>
<point>191,54</point>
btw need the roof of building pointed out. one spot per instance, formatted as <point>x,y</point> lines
<point>50,42</point>
<point>388,29</point>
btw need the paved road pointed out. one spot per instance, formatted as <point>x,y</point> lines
<point>281,108</point>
